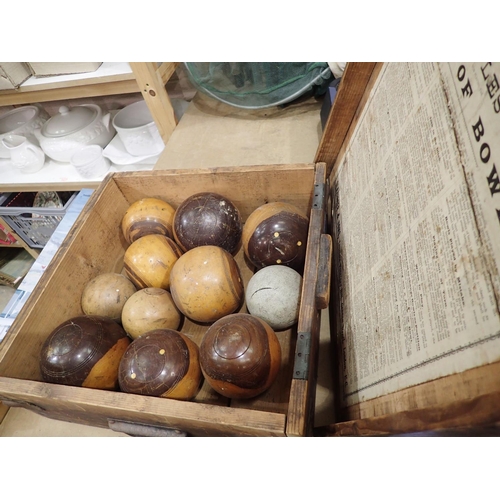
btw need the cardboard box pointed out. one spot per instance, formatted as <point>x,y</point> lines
<point>40,69</point>
<point>95,244</point>
<point>13,74</point>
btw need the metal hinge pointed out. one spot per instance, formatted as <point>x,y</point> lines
<point>318,196</point>
<point>302,354</point>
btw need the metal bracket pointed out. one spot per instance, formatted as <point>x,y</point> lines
<point>318,196</point>
<point>143,430</point>
<point>302,352</point>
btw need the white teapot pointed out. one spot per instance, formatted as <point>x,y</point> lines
<point>73,128</point>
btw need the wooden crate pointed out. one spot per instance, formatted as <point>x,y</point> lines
<point>95,245</point>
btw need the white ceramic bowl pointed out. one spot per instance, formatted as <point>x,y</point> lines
<point>21,121</point>
<point>89,162</point>
<point>137,130</point>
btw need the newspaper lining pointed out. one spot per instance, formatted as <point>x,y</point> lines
<point>417,210</point>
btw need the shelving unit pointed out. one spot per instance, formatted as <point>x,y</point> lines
<point>111,78</point>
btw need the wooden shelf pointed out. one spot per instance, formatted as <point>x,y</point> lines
<point>56,176</point>
<point>109,79</point>
<point>19,241</point>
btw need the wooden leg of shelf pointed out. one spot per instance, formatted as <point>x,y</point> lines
<point>3,411</point>
<point>153,90</point>
<point>20,243</point>
<point>34,252</point>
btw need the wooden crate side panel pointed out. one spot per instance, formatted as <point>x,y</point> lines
<point>302,393</point>
<point>480,412</point>
<point>246,187</point>
<point>95,407</point>
<point>468,384</point>
<point>351,91</point>
<point>57,295</point>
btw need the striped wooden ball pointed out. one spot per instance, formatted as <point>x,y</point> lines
<point>84,351</point>
<point>276,234</point>
<point>148,216</point>
<point>240,356</point>
<point>162,363</point>
<point>148,261</point>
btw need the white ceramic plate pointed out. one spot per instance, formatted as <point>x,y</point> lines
<point>116,152</point>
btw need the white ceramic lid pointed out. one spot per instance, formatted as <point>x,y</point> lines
<point>69,121</point>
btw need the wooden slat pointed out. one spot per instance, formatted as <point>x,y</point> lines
<point>153,90</point>
<point>352,89</point>
<point>302,391</point>
<point>483,411</point>
<point>324,272</point>
<point>166,70</point>
<point>95,407</point>
<point>49,186</point>
<point>55,93</point>
<point>3,411</point>
<point>446,390</point>
<point>247,186</point>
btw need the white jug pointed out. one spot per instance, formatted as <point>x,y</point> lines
<point>24,154</point>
